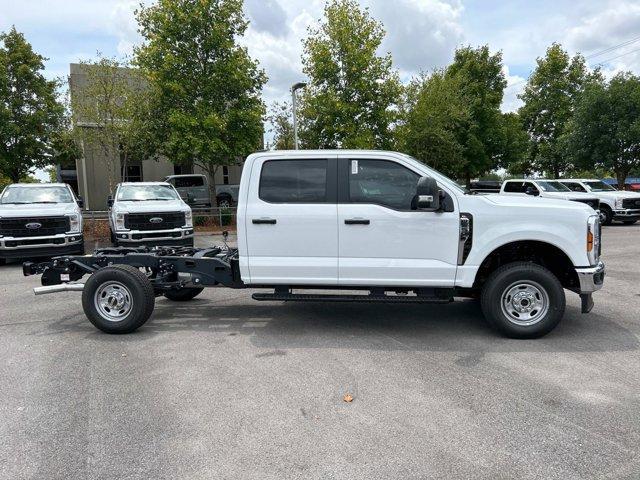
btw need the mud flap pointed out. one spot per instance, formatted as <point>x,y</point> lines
<point>587,302</point>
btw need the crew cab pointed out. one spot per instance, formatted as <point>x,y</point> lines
<point>149,213</point>
<point>368,226</point>
<point>39,220</point>
<point>547,189</point>
<point>618,205</point>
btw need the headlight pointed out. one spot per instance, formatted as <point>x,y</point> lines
<point>188,219</point>
<point>618,203</point>
<point>593,239</point>
<point>74,223</point>
<point>120,221</point>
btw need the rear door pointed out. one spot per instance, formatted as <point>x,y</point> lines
<point>382,241</point>
<point>291,221</point>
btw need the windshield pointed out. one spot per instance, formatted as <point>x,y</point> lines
<point>598,186</point>
<point>142,193</point>
<point>46,194</point>
<point>552,186</point>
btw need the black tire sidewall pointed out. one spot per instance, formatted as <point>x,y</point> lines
<point>142,304</point>
<point>608,213</point>
<point>505,276</point>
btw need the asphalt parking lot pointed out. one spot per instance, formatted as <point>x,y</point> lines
<point>225,387</point>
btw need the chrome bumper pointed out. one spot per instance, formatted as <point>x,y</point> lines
<point>626,213</point>
<point>54,241</point>
<point>591,278</point>
<point>141,236</point>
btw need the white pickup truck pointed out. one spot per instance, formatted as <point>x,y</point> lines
<point>39,220</point>
<point>372,226</point>
<point>149,213</point>
<point>547,189</point>
<point>615,204</point>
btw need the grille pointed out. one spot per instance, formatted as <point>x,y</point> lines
<point>631,203</point>
<point>142,221</point>
<point>17,227</point>
<point>593,203</point>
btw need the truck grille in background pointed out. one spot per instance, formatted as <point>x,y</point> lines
<point>631,203</point>
<point>142,221</point>
<point>17,227</point>
<point>594,203</point>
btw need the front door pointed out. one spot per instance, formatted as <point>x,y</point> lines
<point>382,242</point>
<point>291,222</point>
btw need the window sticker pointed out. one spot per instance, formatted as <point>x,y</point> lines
<point>354,167</point>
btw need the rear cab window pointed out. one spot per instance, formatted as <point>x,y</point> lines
<point>295,181</point>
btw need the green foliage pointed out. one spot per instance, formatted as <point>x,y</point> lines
<point>111,111</point>
<point>4,181</point>
<point>549,98</point>
<point>29,110</point>
<point>605,129</point>
<point>282,126</point>
<point>205,87</point>
<point>352,92</point>
<point>452,119</point>
<point>514,142</point>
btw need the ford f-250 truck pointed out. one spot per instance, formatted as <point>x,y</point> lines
<point>39,220</point>
<point>614,204</point>
<point>373,226</point>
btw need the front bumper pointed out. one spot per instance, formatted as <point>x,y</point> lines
<point>591,278</point>
<point>626,214</point>
<point>176,236</point>
<point>62,244</point>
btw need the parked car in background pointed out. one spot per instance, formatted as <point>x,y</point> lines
<point>227,195</point>
<point>40,220</point>
<point>547,189</point>
<point>149,213</point>
<point>193,188</point>
<point>485,186</point>
<point>615,205</point>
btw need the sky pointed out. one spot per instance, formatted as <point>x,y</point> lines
<point>421,34</point>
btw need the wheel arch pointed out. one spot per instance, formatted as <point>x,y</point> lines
<point>542,253</point>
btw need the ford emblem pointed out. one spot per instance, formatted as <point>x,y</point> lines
<point>156,220</point>
<point>33,225</point>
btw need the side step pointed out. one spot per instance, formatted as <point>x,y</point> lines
<point>303,297</point>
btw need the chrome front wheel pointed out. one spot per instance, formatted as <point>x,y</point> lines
<point>525,303</point>
<point>113,301</point>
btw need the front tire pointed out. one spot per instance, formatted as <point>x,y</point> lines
<point>183,294</point>
<point>118,299</point>
<point>523,300</point>
<point>629,222</point>
<point>606,215</point>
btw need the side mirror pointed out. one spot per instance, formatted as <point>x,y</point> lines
<point>532,191</point>
<point>80,201</point>
<point>190,198</point>
<point>110,201</point>
<point>427,195</point>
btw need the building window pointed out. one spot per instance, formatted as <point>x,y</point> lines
<point>225,175</point>
<point>182,169</point>
<point>132,173</point>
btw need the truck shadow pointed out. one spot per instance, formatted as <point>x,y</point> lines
<point>456,327</point>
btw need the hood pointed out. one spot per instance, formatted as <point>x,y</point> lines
<point>530,201</point>
<point>38,209</point>
<point>559,195</point>
<point>617,194</point>
<point>151,206</point>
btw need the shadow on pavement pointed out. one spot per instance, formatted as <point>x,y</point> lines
<point>280,326</point>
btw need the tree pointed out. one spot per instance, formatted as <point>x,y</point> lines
<point>282,126</point>
<point>549,98</point>
<point>350,99</point>
<point>514,142</point>
<point>205,87</point>
<point>110,111</point>
<point>481,82</point>
<point>433,113</point>
<point>605,131</point>
<point>29,111</point>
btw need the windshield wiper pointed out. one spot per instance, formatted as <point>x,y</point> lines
<point>16,203</point>
<point>163,199</point>
<point>45,201</point>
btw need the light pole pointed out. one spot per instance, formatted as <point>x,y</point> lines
<point>295,87</point>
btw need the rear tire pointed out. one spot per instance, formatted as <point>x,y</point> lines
<point>183,294</point>
<point>224,202</point>
<point>523,300</point>
<point>607,215</point>
<point>118,299</point>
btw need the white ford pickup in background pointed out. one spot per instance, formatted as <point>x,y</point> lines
<point>149,213</point>
<point>39,220</point>
<point>614,204</point>
<point>374,226</point>
<point>547,189</point>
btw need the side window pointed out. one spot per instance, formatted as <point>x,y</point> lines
<point>576,187</point>
<point>186,182</point>
<point>528,185</point>
<point>382,182</point>
<point>514,187</point>
<point>294,181</point>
